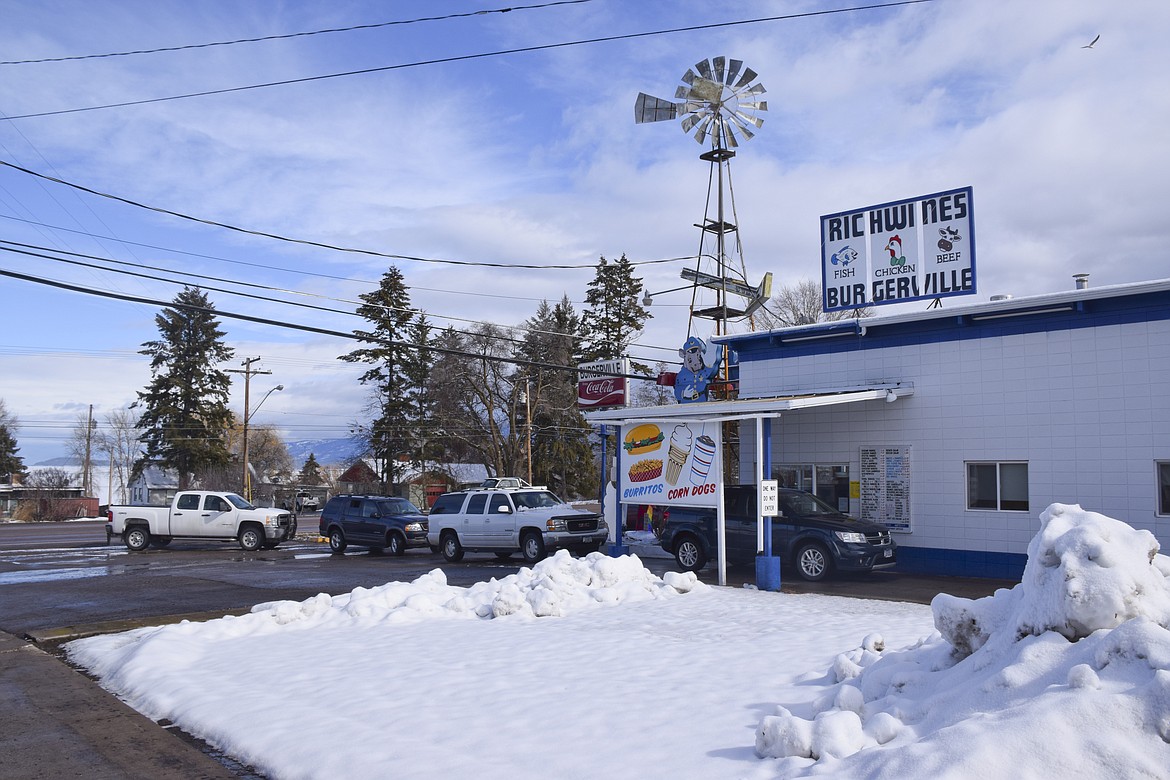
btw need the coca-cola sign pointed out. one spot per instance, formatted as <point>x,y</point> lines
<point>593,393</point>
<point>601,384</point>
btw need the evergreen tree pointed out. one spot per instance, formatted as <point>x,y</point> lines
<point>10,462</point>
<point>185,405</point>
<point>310,472</point>
<point>391,359</point>
<point>614,315</point>
<point>556,429</point>
<point>417,372</point>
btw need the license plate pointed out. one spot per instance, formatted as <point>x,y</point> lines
<point>888,553</point>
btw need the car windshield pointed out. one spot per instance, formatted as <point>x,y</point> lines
<point>239,502</point>
<point>535,499</point>
<point>398,507</point>
<point>805,505</point>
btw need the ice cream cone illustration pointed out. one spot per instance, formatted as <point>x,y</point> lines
<point>701,463</point>
<point>680,449</point>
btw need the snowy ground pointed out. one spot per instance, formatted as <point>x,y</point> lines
<point>586,668</point>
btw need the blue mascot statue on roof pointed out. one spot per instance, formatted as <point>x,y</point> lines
<point>699,369</point>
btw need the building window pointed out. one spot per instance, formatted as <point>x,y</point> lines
<point>1164,488</point>
<point>829,483</point>
<point>1002,486</point>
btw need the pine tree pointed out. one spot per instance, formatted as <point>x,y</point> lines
<point>417,372</point>
<point>614,315</point>
<point>561,455</point>
<point>185,405</point>
<point>10,462</point>
<point>392,396</point>
<point>310,472</point>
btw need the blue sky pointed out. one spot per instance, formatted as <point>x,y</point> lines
<point>532,158</point>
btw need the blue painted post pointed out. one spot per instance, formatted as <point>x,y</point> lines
<point>617,548</point>
<point>767,564</point>
<point>766,470</point>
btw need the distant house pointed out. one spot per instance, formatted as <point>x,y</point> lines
<point>154,485</point>
<point>420,485</point>
<point>423,485</point>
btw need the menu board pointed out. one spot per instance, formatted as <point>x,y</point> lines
<point>885,486</point>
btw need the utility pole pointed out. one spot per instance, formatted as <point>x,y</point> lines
<point>247,372</point>
<point>86,473</point>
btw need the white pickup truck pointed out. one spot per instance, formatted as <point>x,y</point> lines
<point>201,514</point>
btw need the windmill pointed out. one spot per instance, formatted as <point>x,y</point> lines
<point>719,102</point>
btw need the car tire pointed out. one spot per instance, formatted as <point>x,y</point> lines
<point>395,544</point>
<point>137,538</point>
<point>813,562</point>
<point>337,543</point>
<point>688,553</point>
<point>532,547</point>
<point>452,549</point>
<point>251,538</point>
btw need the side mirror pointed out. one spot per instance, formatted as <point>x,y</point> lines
<point>505,510</point>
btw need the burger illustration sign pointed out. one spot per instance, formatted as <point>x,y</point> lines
<point>670,462</point>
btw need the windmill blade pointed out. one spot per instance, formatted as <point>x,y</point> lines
<point>692,120</point>
<point>733,71</point>
<point>742,122</point>
<point>648,108</point>
<point>719,63</point>
<point>755,89</point>
<point>748,77</point>
<point>704,69</point>
<point>758,105</point>
<point>702,128</point>
<point>743,119</point>
<point>728,131</point>
<point>689,76</point>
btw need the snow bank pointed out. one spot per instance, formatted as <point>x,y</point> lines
<point>556,586</point>
<point>1068,672</point>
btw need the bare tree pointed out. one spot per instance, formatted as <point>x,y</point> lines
<point>82,447</point>
<point>50,502</point>
<point>647,392</point>
<point>119,441</point>
<point>800,304</point>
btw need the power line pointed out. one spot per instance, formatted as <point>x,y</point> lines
<point>318,244</point>
<point>464,58</point>
<point>315,274</point>
<point>254,285</point>
<point>515,361</point>
<point>286,36</point>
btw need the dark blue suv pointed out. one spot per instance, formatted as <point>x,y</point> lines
<point>377,522</point>
<point>812,536</point>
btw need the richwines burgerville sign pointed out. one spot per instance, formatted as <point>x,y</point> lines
<point>603,384</point>
<point>903,251</point>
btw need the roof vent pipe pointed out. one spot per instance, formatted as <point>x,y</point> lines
<point>1001,297</point>
<point>1082,281</point>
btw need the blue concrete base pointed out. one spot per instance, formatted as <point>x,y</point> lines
<point>960,563</point>
<point>618,550</point>
<point>768,572</point>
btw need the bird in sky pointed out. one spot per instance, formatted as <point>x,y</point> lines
<point>1090,44</point>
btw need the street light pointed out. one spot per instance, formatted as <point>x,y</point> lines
<point>247,419</point>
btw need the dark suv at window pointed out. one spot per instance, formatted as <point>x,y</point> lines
<point>811,536</point>
<point>377,522</point>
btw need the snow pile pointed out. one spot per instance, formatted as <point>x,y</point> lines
<point>554,587</point>
<point>1066,673</point>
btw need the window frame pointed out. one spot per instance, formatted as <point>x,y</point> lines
<point>1000,501</point>
<point>1162,486</point>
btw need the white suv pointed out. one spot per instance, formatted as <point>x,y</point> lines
<point>530,520</point>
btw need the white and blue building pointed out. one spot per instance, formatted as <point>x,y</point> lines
<point>990,413</point>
